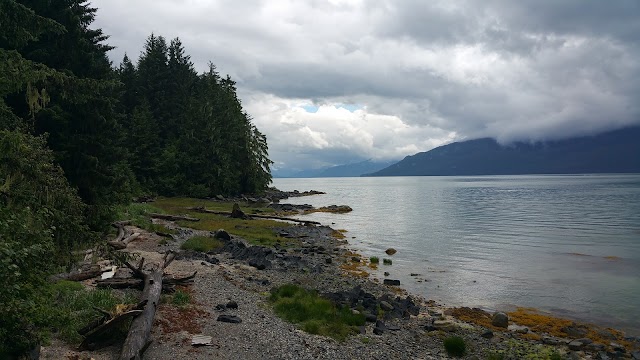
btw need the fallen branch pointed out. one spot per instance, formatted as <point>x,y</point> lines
<point>173,217</point>
<point>203,210</point>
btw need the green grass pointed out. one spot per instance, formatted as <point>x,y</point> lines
<point>71,308</point>
<point>313,313</point>
<point>255,231</point>
<point>455,346</point>
<point>138,214</point>
<point>387,261</point>
<point>180,298</point>
<point>374,260</point>
<point>201,243</point>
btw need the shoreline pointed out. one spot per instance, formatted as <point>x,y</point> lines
<point>410,327</point>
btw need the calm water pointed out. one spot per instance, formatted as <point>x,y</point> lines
<point>566,244</point>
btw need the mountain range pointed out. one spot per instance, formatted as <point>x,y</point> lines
<point>348,170</point>
<point>611,152</point>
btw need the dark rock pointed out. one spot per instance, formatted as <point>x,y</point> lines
<point>635,355</point>
<point>391,282</point>
<point>386,273</point>
<point>355,259</point>
<point>617,347</point>
<point>390,251</point>
<point>596,347</point>
<point>229,319</point>
<point>378,331</point>
<point>236,213</point>
<point>575,345</point>
<point>380,324</point>
<point>222,235</point>
<point>430,328</point>
<point>232,305</point>
<point>370,317</point>
<point>487,334</point>
<point>221,307</point>
<point>602,356</point>
<point>393,327</point>
<point>414,274</point>
<point>500,319</point>
<point>328,260</point>
<point>363,330</point>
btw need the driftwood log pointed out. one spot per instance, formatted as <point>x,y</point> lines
<point>123,238</point>
<point>137,339</point>
<point>203,210</point>
<point>173,217</point>
<point>168,282</point>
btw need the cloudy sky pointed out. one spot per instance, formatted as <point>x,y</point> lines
<point>338,81</point>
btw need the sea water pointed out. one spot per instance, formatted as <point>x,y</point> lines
<point>567,244</point>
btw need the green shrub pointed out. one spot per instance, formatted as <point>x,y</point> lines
<point>387,261</point>
<point>374,260</point>
<point>201,243</point>
<point>314,314</point>
<point>455,346</point>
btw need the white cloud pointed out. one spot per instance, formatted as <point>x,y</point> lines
<point>422,73</point>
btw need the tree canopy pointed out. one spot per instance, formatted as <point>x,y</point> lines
<point>79,137</point>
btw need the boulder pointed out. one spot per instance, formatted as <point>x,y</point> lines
<point>500,319</point>
<point>487,334</point>
<point>445,325</point>
<point>222,235</point>
<point>391,282</point>
<point>575,345</point>
<point>386,306</point>
<point>390,251</point>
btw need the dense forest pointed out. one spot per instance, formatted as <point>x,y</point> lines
<point>79,137</point>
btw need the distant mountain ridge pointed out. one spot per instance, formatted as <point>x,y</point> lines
<point>611,152</point>
<point>347,170</point>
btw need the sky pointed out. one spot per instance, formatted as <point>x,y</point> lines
<point>339,81</point>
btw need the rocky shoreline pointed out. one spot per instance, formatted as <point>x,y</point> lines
<point>230,304</point>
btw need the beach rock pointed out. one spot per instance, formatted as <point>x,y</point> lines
<point>328,260</point>
<point>574,331</point>
<point>391,282</point>
<point>386,273</point>
<point>445,325</point>
<point>635,355</point>
<point>378,331</point>
<point>518,329</point>
<point>355,259</point>
<point>487,334</point>
<point>386,306</point>
<point>393,327</point>
<point>575,345</point>
<point>500,319</point>
<point>617,347</point>
<point>229,319</point>
<point>232,305</point>
<point>596,347</point>
<point>222,235</point>
<point>548,340</point>
<point>370,317</point>
<point>391,251</point>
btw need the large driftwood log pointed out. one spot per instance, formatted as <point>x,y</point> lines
<point>173,217</point>
<point>138,337</point>
<point>203,210</point>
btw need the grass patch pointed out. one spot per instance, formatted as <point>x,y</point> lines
<point>387,261</point>
<point>201,243</point>
<point>374,260</point>
<point>180,298</point>
<point>255,231</point>
<point>71,308</point>
<point>455,346</point>
<point>139,216</point>
<point>313,313</point>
